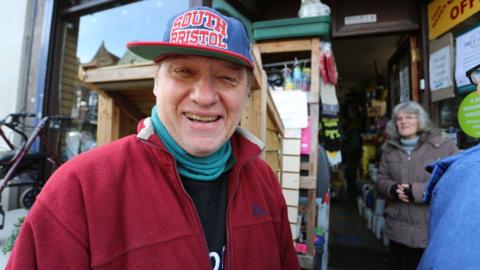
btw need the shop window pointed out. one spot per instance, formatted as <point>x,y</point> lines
<point>448,115</point>
<point>466,37</point>
<point>99,40</point>
<point>400,79</point>
<point>448,112</point>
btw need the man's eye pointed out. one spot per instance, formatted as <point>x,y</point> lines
<point>182,71</point>
<point>229,79</point>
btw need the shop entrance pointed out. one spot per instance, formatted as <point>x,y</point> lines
<point>374,72</point>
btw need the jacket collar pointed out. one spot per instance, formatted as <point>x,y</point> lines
<point>244,143</point>
<point>439,168</point>
<point>433,137</point>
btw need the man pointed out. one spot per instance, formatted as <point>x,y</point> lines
<point>189,191</point>
<point>454,195</point>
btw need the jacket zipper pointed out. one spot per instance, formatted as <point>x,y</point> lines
<point>410,225</point>
<point>192,204</point>
<point>234,191</point>
<point>235,187</point>
<point>412,228</point>
<point>409,157</point>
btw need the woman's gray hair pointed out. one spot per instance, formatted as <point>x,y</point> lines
<point>410,107</point>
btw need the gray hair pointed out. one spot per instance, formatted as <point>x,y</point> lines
<point>410,107</point>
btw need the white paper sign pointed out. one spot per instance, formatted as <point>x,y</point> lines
<point>292,107</point>
<point>440,63</point>
<point>404,84</point>
<point>468,55</point>
<point>358,19</point>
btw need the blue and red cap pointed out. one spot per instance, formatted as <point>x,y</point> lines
<point>199,31</point>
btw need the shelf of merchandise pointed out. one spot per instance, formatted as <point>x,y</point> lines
<point>302,45</point>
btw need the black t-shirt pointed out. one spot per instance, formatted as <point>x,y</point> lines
<point>210,198</point>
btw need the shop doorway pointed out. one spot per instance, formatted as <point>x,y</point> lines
<point>375,72</point>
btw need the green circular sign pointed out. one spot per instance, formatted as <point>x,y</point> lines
<point>469,115</point>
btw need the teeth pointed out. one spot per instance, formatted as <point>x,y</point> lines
<point>196,117</point>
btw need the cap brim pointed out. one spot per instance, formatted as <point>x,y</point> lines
<point>158,50</point>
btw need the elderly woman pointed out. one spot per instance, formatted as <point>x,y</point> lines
<point>412,145</point>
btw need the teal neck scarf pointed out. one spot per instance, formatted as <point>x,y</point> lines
<point>409,144</point>
<point>205,168</point>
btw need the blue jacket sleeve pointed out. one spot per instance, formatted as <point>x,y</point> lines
<point>455,220</point>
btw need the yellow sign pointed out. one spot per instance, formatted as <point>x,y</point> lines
<point>445,14</point>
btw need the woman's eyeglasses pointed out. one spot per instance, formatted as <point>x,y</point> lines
<point>407,118</point>
<point>473,74</point>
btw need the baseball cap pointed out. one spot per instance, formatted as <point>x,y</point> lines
<point>199,31</point>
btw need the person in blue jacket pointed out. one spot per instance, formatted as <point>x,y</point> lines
<point>453,192</point>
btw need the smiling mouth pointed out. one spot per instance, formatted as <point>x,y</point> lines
<point>201,118</point>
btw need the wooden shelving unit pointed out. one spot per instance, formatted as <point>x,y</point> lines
<point>311,45</point>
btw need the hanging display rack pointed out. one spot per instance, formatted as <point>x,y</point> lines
<point>283,63</point>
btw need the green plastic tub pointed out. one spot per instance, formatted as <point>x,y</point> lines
<point>292,27</point>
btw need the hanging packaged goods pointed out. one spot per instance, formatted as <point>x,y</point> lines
<point>328,68</point>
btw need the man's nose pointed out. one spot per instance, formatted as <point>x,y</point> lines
<point>204,91</point>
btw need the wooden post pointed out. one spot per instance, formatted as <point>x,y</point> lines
<point>254,116</point>
<point>262,98</point>
<point>315,66</point>
<point>415,59</point>
<point>282,46</point>
<point>312,172</point>
<point>108,125</point>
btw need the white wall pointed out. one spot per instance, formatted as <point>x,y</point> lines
<point>15,31</point>
<point>15,37</point>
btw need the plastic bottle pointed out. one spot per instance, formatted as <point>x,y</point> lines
<point>306,77</point>
<point>297,75</point>
<point>287,78</point>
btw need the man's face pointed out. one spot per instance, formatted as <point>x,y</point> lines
<point>200,100</point>
<point>478,88</point>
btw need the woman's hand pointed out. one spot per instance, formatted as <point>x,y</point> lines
<point>404,192</point>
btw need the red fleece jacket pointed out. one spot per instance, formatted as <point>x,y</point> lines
<point>122,206</point>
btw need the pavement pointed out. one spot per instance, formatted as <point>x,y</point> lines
<point>11,217</point>
<point>352,245</point>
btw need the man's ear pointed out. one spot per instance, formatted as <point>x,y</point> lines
<point>155,80</point>
<point>155,85</point>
